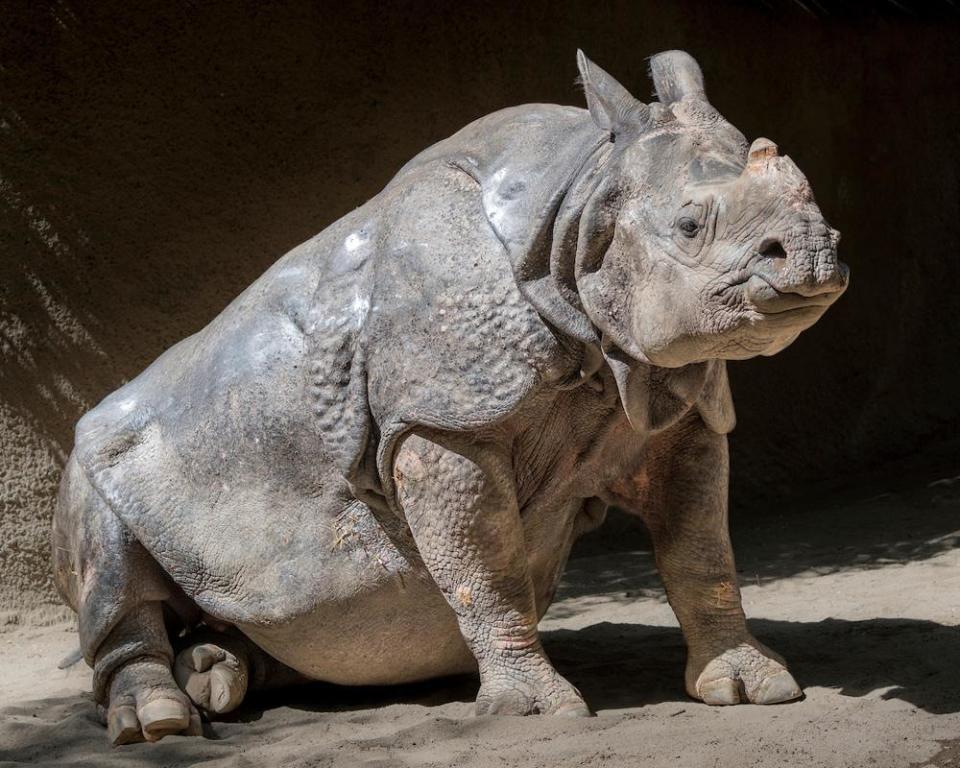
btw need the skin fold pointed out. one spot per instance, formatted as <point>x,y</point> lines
<point>371,466</point>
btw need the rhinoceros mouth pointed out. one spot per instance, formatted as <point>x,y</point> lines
<point>769,299</point>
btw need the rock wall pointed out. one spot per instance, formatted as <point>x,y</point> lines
<point>155,157</point>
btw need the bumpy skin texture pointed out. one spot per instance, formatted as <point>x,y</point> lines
<point>371,467</point>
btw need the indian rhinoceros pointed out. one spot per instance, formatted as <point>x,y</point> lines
<point>371,466</point>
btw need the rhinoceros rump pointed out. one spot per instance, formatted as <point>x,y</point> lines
<point>371,466</point>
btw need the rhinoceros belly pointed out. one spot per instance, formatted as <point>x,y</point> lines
<point>380,619</point>
<point>395,631</point>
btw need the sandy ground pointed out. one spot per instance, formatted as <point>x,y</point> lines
<point>860,591</point>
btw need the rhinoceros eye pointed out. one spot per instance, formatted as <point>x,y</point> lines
<point>688,226</point>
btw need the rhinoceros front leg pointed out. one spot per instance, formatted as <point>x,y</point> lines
<point>462,511</point>
<point>682,495</point>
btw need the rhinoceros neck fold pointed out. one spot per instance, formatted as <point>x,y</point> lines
<point>539,168</point>
<point>654,398</point>
<point>536,212</point>
<point>544,258</point>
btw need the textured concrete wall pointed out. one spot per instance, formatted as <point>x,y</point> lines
<point>155,157</point>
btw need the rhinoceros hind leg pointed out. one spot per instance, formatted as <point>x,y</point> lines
<point>121,596</point>
<point>217,670</point>
<point>214,672</point>
<point>146,705</point>
<point>144,702</point>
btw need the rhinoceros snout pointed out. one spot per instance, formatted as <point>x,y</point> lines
<point>836,279</point>
<point>820,280</point>
<point>803,266</point>
<point>785,280</point>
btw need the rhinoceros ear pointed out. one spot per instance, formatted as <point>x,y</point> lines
<point>676,75</point>
<point>611,105</point>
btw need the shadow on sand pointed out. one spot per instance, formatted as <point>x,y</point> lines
<point>616,666</point>
<point>906,658</point>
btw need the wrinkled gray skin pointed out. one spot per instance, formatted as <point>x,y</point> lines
<point>370,468</point>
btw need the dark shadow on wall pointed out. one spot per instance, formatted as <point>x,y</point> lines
<point>156,157</point>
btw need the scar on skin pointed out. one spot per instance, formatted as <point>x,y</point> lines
<point>723,593</point>
<point>464,596</point>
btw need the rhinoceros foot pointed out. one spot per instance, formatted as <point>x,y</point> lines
<point>146,705</point>
<point>214,672</point>
<point>745,674</point>
<point>530,687</point>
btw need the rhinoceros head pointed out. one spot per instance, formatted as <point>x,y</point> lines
<point>716,249</point>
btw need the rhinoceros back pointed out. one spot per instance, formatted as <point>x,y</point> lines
<point>231,456</point>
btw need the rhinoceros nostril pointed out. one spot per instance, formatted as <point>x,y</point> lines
<point>772,249</point>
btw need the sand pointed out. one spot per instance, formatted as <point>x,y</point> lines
<point>860,591</point>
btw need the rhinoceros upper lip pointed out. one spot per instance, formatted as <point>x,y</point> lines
<point>772,300</point>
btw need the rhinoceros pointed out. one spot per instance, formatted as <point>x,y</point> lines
<point>371,466</point>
